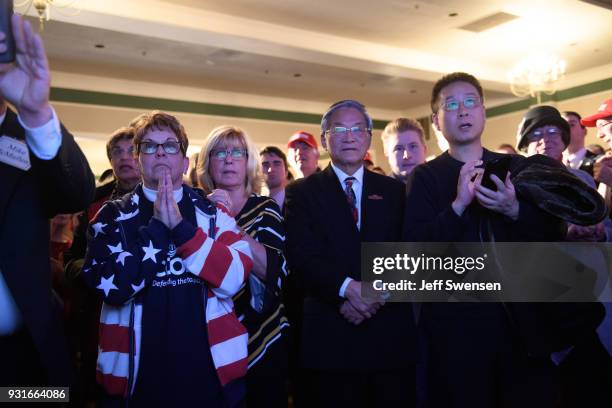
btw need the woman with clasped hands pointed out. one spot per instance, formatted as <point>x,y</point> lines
<point>229,171</point>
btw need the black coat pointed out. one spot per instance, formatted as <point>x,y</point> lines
<point>323,248</point>
<point>28,199</point>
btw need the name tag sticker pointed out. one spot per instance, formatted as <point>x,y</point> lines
<point>14,153</point>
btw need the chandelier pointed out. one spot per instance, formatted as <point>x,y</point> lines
<point>43,8</point>
<point>535,75</point>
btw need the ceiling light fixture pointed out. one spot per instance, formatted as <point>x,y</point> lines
<point>537,74</point>
<point>43,8</point>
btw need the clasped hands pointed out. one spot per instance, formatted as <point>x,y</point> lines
<point>165,207</point>
<point>503,200</point>
<point>357,308</point>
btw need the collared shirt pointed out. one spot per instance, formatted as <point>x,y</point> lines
<point>573,160</point>
<point>279,197</point>
<point>44,142</point>
<point>357,189</point>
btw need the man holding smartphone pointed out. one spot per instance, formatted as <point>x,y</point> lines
<point>43,173</point>
<point>478,356</point>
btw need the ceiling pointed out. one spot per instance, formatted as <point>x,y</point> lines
<point>386,53</point>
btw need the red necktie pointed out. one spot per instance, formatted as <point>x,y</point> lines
<point>350,197</point>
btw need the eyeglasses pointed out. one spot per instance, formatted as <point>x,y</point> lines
<point>118,152</point>
<point>169,146</point>
<point>236,154</point>
<point>550,133</point>
<point>470,102</point>
<point>355,130</point>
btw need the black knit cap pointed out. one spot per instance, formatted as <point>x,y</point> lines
<point>542,116</point>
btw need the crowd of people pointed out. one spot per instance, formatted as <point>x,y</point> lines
<point>176,283</point>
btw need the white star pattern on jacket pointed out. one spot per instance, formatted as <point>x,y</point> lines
<point>139,287</point>
<point>107,285</point>
<point>98,228</point>
<point>135,199</point>
<point>149,252</point>
<point>126,216</point>
<point>115,249</point>
<point>121,257</point>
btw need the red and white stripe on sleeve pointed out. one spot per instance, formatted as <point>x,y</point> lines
<point>223,263</point>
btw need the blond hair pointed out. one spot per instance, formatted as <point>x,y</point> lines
<point>400,125</point>
<point>219,135</point>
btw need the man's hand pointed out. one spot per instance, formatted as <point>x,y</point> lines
<point>365,306</point>
<point>351,314</point>
<point>602,170</point>
<point>590,233</point>
<point>25,83</point>
<point>469,177</point>
<point>503,200</point>
<point>165,207</point>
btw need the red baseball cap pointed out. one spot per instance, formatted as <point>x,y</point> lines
<point>604,111</point>
<point>305,137</point>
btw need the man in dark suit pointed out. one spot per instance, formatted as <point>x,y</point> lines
<point>43,173</point>
<point>360,352</point>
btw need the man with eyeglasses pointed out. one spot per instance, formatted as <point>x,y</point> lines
<point>303,154</point>
<point>126,175</point>
<point>602,171</point>
<point>359,351</point>
<point>479,354</point>
<point>167,262</point>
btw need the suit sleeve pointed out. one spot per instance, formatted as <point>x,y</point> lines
<point>224,262</point>
<point>423,222</point>
<point>118,270</point>
<point>66,181</point>
<point>319,274</point>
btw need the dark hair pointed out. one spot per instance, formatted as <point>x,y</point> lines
<point>347,103</point>
<point>159,121</point>
<point>451,79</point>
<point>123,133</point>
<point>575,114</point>
<point>277,152</point>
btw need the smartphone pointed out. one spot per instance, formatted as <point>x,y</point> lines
<point>498,166</point>
<point>6,13</point>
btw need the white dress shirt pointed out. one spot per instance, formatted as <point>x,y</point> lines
<point>357,189</point>
<point>573,160</point>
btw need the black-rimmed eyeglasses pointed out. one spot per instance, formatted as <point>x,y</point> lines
<point>169,146</point>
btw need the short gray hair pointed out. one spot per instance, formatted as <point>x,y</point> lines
<point>347,103</point>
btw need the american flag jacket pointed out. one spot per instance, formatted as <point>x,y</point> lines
<point>121,261</point>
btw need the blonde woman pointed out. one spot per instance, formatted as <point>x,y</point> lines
<point>229,171</point>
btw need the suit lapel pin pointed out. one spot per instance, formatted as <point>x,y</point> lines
<point>375,197</point>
